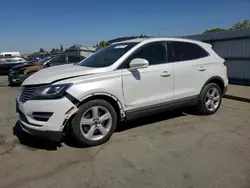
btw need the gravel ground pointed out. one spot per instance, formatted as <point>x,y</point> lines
<point>170,150</point>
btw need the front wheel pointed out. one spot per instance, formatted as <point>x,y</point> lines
<point>94,123</point>
<point>210,99</point>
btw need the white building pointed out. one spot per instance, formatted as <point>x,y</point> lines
<point>80,50</point>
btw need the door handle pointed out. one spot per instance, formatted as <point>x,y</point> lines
<point>201,68</point>
<point>165,74</point>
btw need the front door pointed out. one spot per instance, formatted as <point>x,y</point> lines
<point>152,85</point>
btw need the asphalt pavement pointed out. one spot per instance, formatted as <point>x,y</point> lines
<point>178,149</point>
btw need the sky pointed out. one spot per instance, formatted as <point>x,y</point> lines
<point>27,25</point>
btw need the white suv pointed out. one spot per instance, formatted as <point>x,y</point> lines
<point>120,82</point>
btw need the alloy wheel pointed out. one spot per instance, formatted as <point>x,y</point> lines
<point>213,99</point>
<point>96,123</point>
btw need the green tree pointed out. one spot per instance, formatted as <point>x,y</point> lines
<point>214,30</point>
<point>53,50</point>
<point>61,48</point>
<point>104,44</point>
<point>240,25</point>
<point>41,50</point>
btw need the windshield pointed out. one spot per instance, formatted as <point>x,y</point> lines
<point>42,61</point>
<point>108,55</point>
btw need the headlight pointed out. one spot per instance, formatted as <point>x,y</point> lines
<point>50,92</point>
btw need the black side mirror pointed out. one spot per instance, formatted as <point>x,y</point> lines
<point>46,64</point>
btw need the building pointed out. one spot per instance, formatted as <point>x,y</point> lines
<point>80,50</point>
<point>234,47</point>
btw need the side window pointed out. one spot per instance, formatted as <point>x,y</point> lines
<point>74,59</point>
<point>154,53</point>
<point>184,51</point>
<point>57,60</point>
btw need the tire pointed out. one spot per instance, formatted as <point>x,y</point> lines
<point>210,99</point>
<point>10,83</point>
<point>91,114</point>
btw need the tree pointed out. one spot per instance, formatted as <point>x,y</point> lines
<point>240,25</point>
<point>61,48</point>
<point>214,30</point>
<point>104,44</point>
<point>41,50</point>
<point>55,50</point>
<point>52,51</point>
<point>142,36</point>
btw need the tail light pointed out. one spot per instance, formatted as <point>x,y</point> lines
<point>225,63</point>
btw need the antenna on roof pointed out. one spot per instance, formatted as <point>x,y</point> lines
<point>158,32</point>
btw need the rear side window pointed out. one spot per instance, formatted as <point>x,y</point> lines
<point>184,51</point>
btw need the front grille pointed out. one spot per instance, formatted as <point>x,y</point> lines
<point>26,94</point>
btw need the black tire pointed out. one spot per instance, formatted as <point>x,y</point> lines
<point>76,131</point>
<point>202,108</point>
<point>11,83</point>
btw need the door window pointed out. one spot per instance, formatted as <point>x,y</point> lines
<point>184,51</point>
<point>154,53</point>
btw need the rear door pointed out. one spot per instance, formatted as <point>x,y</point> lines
<point>190,68</point>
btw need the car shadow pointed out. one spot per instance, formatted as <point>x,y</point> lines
<point>32,141</point>
<point>144,121</point>
<point>38,143</point>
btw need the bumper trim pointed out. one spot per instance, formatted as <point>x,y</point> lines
<point>49,135</point>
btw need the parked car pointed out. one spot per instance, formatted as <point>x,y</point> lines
<point>123,81</point>
<point>20,72</point>
<point>10,54</point>
<point>6,63</point>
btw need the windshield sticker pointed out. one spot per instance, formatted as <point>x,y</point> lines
<point>121,46</point>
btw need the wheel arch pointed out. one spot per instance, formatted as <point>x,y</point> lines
<point>217,80</point>
<point>112,99</point>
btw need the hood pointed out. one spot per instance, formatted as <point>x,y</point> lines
<point>33,68</point>
<point>53,74</point>
<point>20,66</point>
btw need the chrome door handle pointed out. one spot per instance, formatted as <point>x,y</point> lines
<point>201,68</point>
<point>165,74</point>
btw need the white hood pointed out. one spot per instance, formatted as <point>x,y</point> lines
<point>51,74</point>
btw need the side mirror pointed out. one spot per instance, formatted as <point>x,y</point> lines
<point>138,63</point>
<point>46,64</point>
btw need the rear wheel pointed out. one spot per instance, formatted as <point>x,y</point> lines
<point>94,123</point>
<point>210,99</point>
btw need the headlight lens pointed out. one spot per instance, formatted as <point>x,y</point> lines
<point>50,92</point>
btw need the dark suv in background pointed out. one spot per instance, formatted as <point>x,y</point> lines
<point>6,63</point>
<point>19,73</point>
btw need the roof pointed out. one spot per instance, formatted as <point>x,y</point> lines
<point>233,34</point>
<point>81,47</point>
<point>155,39</point>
